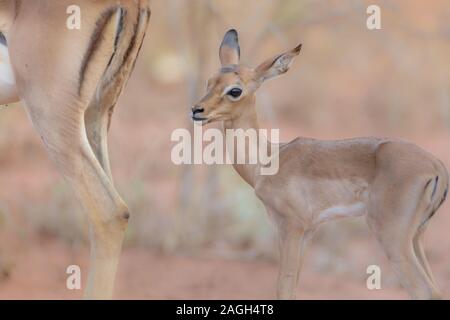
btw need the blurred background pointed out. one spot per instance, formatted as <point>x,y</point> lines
<point>198,231</point>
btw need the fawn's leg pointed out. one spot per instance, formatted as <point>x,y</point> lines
<point>420,254</point>
<point>395,224</point>
<point>292,242</point>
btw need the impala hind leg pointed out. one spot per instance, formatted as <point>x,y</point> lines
<point>420,254</point>
<point>65,138</point>
<point>97,122</point>
<point>99,112</point>
<point>82,68</point>
<point>395,225</point>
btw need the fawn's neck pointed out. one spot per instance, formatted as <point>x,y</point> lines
<point>247,120</point>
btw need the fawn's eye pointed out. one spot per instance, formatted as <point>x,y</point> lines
<point>234,93</point>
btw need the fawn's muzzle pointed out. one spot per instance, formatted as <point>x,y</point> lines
<point>196,110</point>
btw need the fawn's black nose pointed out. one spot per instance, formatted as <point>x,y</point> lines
<point>197,109</point>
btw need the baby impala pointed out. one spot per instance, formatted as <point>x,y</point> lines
<point>396,185</point>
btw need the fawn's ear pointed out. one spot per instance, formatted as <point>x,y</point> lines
<point>230,52</point>
<point>276,66</point>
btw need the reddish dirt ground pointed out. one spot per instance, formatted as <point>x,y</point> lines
<point>39,273</point>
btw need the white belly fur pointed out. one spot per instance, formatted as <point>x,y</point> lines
<point>8,91</point>
<point>341,211</point>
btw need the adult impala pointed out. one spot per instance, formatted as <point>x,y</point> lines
<point>395,184</point>
<point>69,82</point>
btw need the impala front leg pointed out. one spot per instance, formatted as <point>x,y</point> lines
<point>292,244</point>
